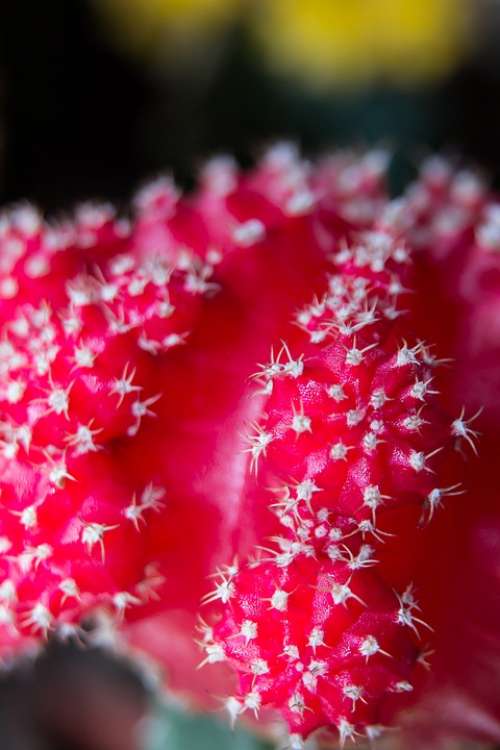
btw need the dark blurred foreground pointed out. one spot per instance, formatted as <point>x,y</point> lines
<point>71,699</point>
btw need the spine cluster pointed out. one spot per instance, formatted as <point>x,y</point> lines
<point>78,380</point>
<point>352,451</point>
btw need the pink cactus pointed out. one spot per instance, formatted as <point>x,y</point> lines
<point>351,449</point>
<point>95,319</point>
<point>262,280</point>
<point>322,468</point>
<point>326,646</point>
<point>232,210</point>
<point>77,384</point>
<point>432,555</point>
<point>450,217</point>
<point>37,259</point>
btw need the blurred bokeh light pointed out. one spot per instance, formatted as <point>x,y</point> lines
<point>96,95</point>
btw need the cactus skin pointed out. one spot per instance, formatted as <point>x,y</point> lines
<point>77,384</point>
<point>77,433</point>
<point>451,559</point>
<point>450,219</point>
<point>261,284</point>
<point>406,557</point>
<point>38,258</point>
<point>234,212</point>
<point>323,652</point>
<point>351,453</point>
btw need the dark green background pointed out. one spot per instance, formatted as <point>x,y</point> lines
<point>79,119</point>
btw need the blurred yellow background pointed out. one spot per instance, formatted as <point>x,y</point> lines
<point>325,42</point>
